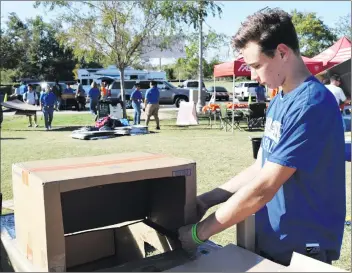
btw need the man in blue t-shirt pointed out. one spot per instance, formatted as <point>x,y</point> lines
<point>47,104</point>
<point>260,93</point>
<point>136,98</point>
<point>152,104</point>
<point>296,187</point>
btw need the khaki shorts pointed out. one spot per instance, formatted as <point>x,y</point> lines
<point>152,110</point>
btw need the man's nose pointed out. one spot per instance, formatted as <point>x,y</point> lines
<point>254,75</point>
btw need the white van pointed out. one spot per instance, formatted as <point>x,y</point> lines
<point>243,89</point>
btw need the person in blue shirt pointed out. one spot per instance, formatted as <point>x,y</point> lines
<point>21,90</point>
<point>152,104</point>
<point>296,187</point>
<point>136,98</point>
<point>68,89</point>
<point>93,95</point>
<point>47,104</point>
<point>260,93</point>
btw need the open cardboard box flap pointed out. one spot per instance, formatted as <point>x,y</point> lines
<point>232,258</point>
<point>302,263</point>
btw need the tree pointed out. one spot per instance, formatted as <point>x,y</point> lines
<point>209,67</point>
<point>343,26</point>
<point>170,73</point>
<point>49,60</point>
<point>14,46</point>
<point>123,30</point>
<point>313,35</point>
<point>31,50</point>
<point>9,53</point>
<point>188,67</point>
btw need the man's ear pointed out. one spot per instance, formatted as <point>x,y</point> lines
<point>283,50</point>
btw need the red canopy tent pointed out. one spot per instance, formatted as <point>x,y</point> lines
<point>337,53</point>
<point>237,67</point>
<point>313,66</point>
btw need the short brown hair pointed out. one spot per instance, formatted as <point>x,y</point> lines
<point>268,28</point>
<point>335,77</point>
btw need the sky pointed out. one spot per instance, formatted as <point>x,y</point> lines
<point>234,12</point>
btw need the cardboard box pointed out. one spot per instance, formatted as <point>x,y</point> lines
<point>302,263</point>
<point>68,210</point>
<point>232,258</point>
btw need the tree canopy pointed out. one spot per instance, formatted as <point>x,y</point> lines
<point>30,49</point>
<point>313,35</point>
<point>343,26</point>
<point>123,30</point>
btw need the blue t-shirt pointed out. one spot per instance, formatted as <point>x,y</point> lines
<point>23,89</point>
<point>136,95</point>
<point>48,99</point>
<point>94,93</point>
<point>304,130</point>
<point>260,93</point>
<point>152,95</point>
<point>69,91</point>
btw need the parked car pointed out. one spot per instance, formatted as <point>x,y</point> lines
<point>169,94</point>
<point>221,93</point>
<point>244,89</point>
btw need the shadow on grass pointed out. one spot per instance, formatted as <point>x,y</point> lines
<point>193,127</point>
<point>11,138</point>
<point>253,129</point>
<point>54,129</point>
<point>66,128</point>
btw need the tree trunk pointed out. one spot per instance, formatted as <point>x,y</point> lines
<point>123,94</point>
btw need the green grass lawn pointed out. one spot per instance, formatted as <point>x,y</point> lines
<point>219,155</point>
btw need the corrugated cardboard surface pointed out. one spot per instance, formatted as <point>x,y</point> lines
<point>90,246</point>
<point>230,258</point>
<point>88,167</point>
<point>302,263</point>
<point>38,188</point>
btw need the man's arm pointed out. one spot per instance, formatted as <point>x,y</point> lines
<point>225,191</point>
<point>342,97</point>
<point>41,101</point>
<point>145,99</point>
<point>249,199</point>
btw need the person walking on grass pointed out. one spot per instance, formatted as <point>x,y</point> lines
<point>336,90</point>
<point>296,188</point>
<point>93,95</point>
<point>47,105</point>
<point>136,98</point>
<point>260,93</point>
<point>152,104</point>
<point>80,96</point>
<point>57,90</point>
<point>31,98</point>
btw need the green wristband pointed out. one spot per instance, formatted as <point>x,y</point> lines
<point>194,235</point>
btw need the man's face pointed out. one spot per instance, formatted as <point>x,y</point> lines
<point>335,82</point>
<point>266,70</point>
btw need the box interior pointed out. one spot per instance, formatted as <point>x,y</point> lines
<point>107,226</point>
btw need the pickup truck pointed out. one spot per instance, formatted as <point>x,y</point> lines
<point>245,89</point>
